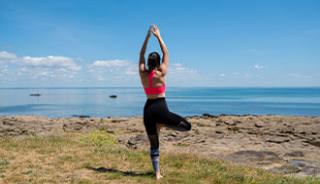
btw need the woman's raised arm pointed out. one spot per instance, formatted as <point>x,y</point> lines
<point>142,62</point>
<point>165,58</point>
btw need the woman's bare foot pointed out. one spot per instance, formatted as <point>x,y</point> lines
<point>159,126</point>
<point>158,176</point>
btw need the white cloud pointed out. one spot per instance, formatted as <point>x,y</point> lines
<point>58,62</point>
<point>178,67</point>
<point>115,67</point>
<point>41,67</point>
<point>237,75</point>
<point>300,76</point>
<point>48,67</point>
<point>7,56</point>
<point>181,75</point>
<point>258,67</point>
<point>123,71</point>
<point>111,63</point>
<point>115,72</point>
<point>3,70</point>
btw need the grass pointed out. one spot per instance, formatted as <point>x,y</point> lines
<point>96,157</point>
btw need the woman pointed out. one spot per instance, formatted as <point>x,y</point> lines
<point>155,109</point>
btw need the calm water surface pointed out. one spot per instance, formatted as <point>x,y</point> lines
<point>65,102</point>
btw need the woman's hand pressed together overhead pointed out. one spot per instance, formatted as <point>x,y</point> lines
<point>155,30</point>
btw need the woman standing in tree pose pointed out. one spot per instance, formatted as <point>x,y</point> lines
<point>156,112</point>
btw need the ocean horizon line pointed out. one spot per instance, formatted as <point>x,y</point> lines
<point>136,87</point>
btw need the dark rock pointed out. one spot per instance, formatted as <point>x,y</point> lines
<point>16,132</point>
<point>232,122</point>
<point>193,116</point>
<point>172,134</point>
<point>133,142</point>
<point>257,157</point>
<point>252,131</point>
<point>110,131</point>
<point>234,129</point>
<point>8,122</point>
<point>287,131</point>
<point>310,168</point>
<point>134,130</point>
<point>314,142</point>
<point>122,140</point>
<point>196,131</point>
<point>260,124</point>
<point>277,139</point>
<point>201,141</point>
<point>219,123</point>
<point>281,134</point>
<point>118,120</point>
<point>295,154</point>
<point>286,169</point>
<point>303,132</point>
<point>209,115</point>
<point>74,126</point>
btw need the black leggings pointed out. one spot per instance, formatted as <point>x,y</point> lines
<point>156,111</point>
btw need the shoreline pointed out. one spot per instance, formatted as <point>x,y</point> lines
<point>202,115</point>
<point>287,145</point>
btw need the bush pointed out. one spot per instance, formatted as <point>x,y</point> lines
<point>99,139</point>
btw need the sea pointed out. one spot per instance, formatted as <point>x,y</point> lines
<point>186,101</point>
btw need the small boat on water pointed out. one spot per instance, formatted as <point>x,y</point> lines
<point>113,96</point>
<point>81,116</point>
<point>35,94</point>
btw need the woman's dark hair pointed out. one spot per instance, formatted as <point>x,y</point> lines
<point>153,61</point>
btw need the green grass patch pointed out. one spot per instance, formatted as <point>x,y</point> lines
<point>99,139</point>
<point>3,165</point>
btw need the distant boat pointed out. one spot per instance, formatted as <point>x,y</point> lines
<point>113,96</point>
<point>35,94</point>
<point>80,116</point>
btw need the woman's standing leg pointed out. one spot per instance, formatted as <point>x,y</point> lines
<point>151,128</point>
<point>155,154</point>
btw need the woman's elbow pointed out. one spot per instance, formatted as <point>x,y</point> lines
<point>165,53</point>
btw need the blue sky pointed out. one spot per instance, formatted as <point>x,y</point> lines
<point>211,43</point>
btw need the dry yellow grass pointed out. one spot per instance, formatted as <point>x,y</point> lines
<point>97,158</point>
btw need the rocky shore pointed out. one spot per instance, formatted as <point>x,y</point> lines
<point>281,144</point>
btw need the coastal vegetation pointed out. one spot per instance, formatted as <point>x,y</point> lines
<point>97,157</point>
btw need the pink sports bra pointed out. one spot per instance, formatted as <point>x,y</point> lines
<point>154,90</point>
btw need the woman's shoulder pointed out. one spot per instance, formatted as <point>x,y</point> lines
<point>160,72</point>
